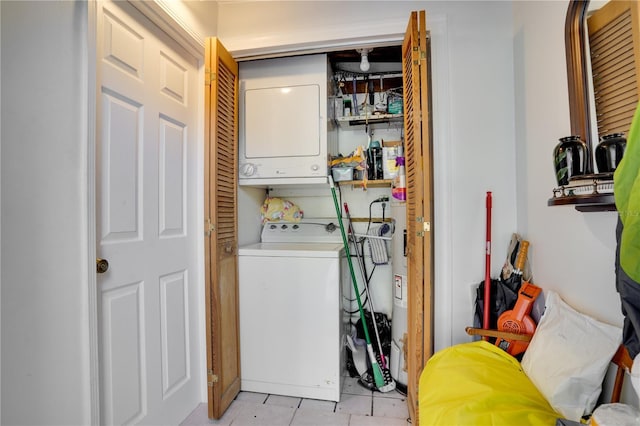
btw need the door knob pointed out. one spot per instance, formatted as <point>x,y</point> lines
<point>102,265</point>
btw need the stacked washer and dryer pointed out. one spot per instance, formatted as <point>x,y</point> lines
<point>292,327</point>
<point>292,322</point>
<point>295,281</point>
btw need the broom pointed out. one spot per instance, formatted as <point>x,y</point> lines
<point>377,371</point>
<point>389,383</point>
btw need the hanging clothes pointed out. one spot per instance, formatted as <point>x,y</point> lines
<point>629,291</point>
<point>626,188</point>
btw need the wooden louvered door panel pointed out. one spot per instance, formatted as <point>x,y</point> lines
<point>614,41</point>
<point>415,54</point>
<point>221,241</point>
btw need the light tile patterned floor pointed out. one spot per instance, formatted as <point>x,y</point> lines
<point>357,407</point>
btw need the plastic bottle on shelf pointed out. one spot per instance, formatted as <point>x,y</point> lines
<point>399,187</point>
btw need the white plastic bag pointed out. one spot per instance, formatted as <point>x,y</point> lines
<point>615,415</point>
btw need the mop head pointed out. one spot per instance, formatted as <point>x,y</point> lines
<point>377,246</point>
<point>367,380</point>
<point>389,383</point>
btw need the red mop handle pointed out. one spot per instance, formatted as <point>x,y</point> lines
<point>487,267</point>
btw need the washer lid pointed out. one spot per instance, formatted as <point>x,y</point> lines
<point>292,250</point>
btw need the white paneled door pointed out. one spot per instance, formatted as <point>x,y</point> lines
<point>146,216</point>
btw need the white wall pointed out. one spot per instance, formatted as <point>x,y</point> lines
<point>572,252</point>
<point>473,116</point>
<point>199,16</point>
<point>45,372</point>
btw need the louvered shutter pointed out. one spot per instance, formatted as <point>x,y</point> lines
<point>614,45</point>
<point>226,158</point>
<point>415,52</point>
<point>221,258</point>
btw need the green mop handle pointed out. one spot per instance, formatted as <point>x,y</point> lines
<point>377,372</point>
<point>348,255</point>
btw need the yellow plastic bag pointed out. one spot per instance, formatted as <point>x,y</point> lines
<point>479,384</point>
<point>357,160</point>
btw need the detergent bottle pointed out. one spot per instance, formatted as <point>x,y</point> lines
<point>399,187</point>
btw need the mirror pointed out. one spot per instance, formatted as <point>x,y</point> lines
<point>578,75</point>
<point>601,41</point>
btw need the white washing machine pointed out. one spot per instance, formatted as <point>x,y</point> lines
<point>292,325</point>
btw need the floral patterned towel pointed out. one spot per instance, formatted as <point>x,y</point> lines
<point>275,209</point>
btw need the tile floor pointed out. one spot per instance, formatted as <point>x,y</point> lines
<point>357,407</point>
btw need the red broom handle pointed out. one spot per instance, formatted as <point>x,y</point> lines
<point>487,268</point>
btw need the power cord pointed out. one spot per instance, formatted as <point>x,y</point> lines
<point>383,199</point>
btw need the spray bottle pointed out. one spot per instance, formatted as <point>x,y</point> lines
<point>399,187</point>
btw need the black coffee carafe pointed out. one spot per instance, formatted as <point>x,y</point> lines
<point>374,161</point>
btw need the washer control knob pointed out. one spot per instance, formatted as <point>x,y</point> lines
<point>284,227</point>
<point>248,169</point>
<point>272,226</point>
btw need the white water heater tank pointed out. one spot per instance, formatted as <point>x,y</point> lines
<point>398,362</point>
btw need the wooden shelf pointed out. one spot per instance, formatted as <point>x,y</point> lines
<point>380,183</point>
<point>349,122</point>
<point>586,203</point>
<point>371,219</point>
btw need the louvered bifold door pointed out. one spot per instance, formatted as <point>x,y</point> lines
<point>415,54</point>
<point>614,41</point>
<point>221,240</point>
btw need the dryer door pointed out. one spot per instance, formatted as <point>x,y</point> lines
<point>282,122</point>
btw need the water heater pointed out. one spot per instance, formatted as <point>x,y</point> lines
<point>398,362</point>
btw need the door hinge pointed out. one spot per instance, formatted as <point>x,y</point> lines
<point>209,77</point>
<point>426,226</point>
<point>211,378</point>
<point>209,227</point>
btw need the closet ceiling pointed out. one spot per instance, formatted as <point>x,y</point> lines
<point>387,60</point>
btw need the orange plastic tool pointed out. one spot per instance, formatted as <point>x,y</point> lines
<point>518,320</point>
